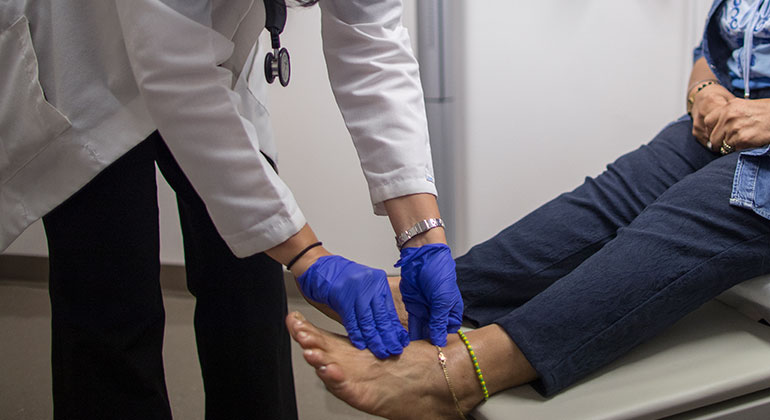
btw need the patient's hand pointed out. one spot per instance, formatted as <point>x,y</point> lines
<point>742,124</point>
<point>710,100</point>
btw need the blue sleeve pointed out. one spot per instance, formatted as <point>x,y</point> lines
<point>697,53</point>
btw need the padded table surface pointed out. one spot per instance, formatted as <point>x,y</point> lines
<point>712,355</point>
<point>752,297</point>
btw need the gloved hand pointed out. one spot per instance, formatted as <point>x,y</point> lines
<point>430,293</point>
<point>361,297</point>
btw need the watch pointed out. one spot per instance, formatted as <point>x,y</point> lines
<point>420,227</point>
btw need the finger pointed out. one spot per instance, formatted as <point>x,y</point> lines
<point>717,134</point>
<point>354,333</point>
<point>384,323</point>
<point>746,138</point>
<point>710,119</point>
<point>403,336</point>
<point>416,307</point>
<point>699,131</point>
<point>408,289</point>
<point>714,125</point>
<point>426,330</point>
<point>698,128</point>
<point>732,142</point>
<point>417,327</point>
<point>455,318</point>
<point>438,326</point>
<point>368,328</point>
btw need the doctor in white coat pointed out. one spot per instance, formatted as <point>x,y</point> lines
<point>94,94</point>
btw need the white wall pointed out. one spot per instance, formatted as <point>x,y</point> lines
<point>563,89</point>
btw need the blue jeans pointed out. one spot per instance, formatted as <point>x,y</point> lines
<point>591,274</point>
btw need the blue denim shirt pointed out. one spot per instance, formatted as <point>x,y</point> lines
<point>745,26</point>
<point>751,184</point>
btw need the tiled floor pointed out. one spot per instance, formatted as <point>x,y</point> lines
<point>25,379</point>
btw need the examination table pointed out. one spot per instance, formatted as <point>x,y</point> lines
<point>713,364</point>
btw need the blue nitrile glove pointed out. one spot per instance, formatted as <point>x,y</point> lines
<point>430,293</point>
<point>361,297</point>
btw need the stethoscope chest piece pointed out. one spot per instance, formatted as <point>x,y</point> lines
<point>278,64</point>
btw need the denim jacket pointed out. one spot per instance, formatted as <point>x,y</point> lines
<point>751,183</point>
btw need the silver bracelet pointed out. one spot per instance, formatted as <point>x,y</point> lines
<point>419,228</point>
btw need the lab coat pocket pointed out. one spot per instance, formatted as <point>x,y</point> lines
<point>28,123</point>
<point>252,89</point>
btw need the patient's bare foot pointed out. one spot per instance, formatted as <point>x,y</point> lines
<point>398,301</point>
<point>409,386</point>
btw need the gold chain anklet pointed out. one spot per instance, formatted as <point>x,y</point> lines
<point>442,361</point>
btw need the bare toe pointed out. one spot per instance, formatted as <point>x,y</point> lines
<point>293,322</point>
<point>332,375</point>
<point>307,335</point>
<point>316,357</point>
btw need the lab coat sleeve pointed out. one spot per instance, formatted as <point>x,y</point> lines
<point>175,61</point>
<point>375,79</point>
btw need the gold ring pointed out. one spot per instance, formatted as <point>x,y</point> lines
<point>726,149</point>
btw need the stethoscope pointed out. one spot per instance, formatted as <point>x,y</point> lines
<point>277,62</point>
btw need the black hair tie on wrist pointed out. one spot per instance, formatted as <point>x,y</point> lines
<point>301,253</point>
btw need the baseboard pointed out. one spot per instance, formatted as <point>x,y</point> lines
<point>24,268</point>
<point>33,269</point>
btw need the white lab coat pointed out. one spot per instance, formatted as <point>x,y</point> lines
<point>85,81</point>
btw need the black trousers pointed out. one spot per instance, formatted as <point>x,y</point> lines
<point>108,317</point>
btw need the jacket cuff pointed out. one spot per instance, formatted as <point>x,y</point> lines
<point>265,235</point>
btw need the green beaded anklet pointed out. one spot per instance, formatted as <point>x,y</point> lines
<point>475,364</point>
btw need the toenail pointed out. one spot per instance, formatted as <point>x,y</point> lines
<point>308,352</point>
<point>322,368</point>
<point>302,335</point>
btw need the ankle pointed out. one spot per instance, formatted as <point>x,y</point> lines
<point>462,374</point>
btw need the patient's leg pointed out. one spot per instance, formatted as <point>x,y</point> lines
<point>412,385</point>
<point>508,270</point>
<point>684,249</point>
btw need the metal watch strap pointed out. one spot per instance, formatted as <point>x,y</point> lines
<point>421,227</point>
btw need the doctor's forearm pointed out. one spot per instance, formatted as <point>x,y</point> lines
<point>285,252</point>
<point>404,212</point>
